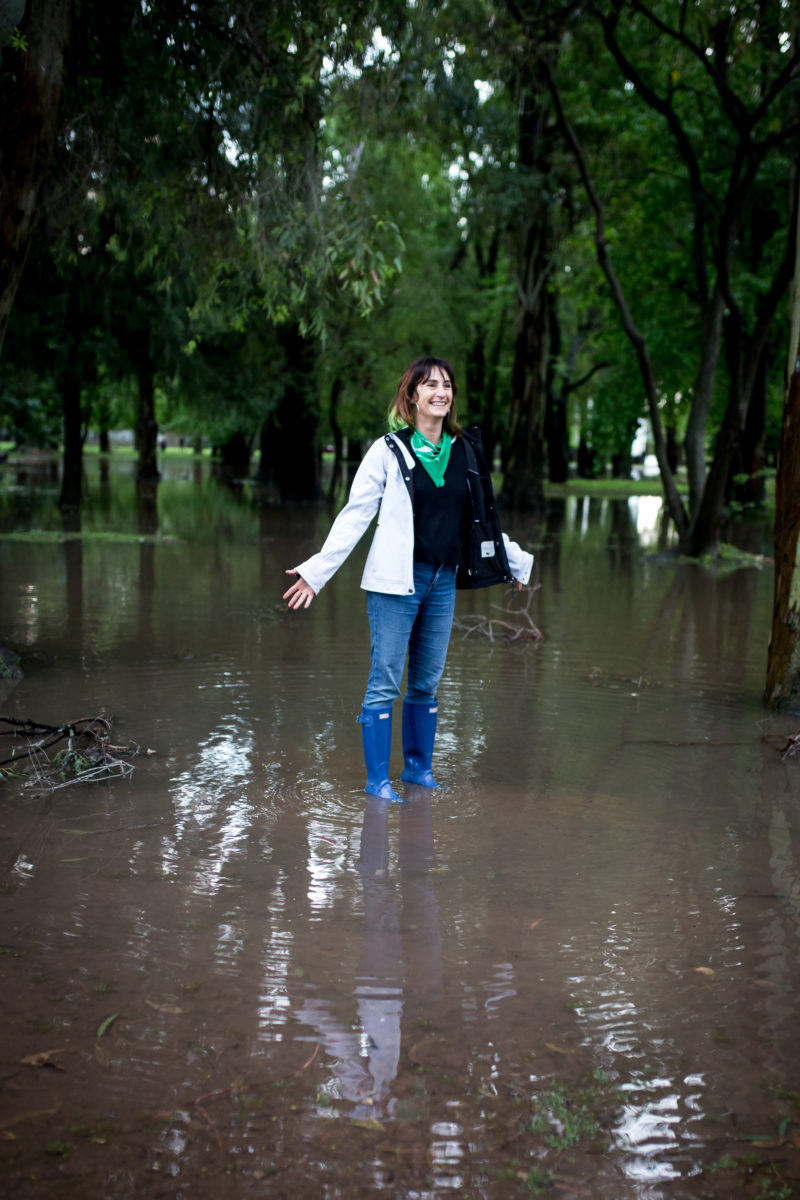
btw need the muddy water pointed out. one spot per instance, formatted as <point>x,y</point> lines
<point>571,968</point>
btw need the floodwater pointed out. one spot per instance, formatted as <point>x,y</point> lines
<point>571,969</point>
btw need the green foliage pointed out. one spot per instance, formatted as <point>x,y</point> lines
<point>29,410</point>
<point>18,41</point>
<point>69,763</point>
<point>227,174</point>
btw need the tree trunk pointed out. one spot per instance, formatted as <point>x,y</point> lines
<point>622,463</point>
<point>336,432</point>
<point>489,424</point>
<point>557,434</point>
<point>703,534</point>
<point>146,423</point>
<point>695,440</point>
<point>783,668</point>
<point>296,454</point>
<point>31,83</point>
<point>100,413</point>
<point>673,449</point>
<point>746,479</point>
<point>147,506</point>
<point>266,459</point>
<point>73,562</point>
<point>783,665</point>
<point>556,426</point>
<point>586,463</point>
<point>481,365</point>
<point>235,455</point>
<point>72,469</point>
<point>523,485</point>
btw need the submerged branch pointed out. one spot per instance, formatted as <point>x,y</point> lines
<point>88,757</point>
<point>522,628</point>
<point>788,745</point>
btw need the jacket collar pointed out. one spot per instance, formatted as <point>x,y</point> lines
<point>402,442</point>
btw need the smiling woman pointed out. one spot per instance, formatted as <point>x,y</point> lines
<point>437,529</point>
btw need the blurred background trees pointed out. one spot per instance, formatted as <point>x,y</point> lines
<point>238,223</point>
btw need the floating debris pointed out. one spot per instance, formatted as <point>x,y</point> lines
<point>45,1058</point>
<point>598,677</point>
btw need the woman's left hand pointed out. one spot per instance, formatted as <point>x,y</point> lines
<point>300,594</point>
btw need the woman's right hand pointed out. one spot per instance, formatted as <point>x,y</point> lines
<point>300,594</point>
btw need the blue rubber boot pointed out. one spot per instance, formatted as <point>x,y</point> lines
<point>376,731</point>
<point>419,732</point>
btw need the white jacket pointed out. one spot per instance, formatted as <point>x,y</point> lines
<point>378,484</point>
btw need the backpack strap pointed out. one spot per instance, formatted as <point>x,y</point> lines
<point>405,471</point>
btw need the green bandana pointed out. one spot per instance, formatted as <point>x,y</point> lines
<point>433,458</point>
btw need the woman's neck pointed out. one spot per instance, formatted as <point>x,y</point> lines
<point>431,428</point>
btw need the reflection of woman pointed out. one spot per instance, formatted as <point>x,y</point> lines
<point>400,977</point>
<point>437,528</point>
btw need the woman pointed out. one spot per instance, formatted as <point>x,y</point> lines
<point>437,529</point>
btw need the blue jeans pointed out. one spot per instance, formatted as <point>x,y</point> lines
<point>418,625</point>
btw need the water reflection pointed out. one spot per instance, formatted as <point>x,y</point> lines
<point>400,970</point>
<point>29,490</point>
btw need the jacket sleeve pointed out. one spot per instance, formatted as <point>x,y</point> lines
<point>520,562</point>
<point>348,528</point>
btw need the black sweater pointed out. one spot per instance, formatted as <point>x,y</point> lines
<point>439,511</point>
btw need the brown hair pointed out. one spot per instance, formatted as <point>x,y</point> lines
<point>402,410</point>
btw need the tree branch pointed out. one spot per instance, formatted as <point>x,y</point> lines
<point>733,106</point>
<point>571,387</point>
<point>790,71</point>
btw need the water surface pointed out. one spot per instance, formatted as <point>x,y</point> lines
<point>573,967</point>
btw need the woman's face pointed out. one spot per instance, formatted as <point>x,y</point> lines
<point>434,395</point>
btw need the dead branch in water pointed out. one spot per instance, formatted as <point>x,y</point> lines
<point>88,757</point>
<point>522,629</point>
<point>788,745</point>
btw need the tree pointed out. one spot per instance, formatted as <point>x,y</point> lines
<point>32,68</point>
<point>718,80</point>
<point>783,664</point>
<point>532,262</point>
<point>193,130</point>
